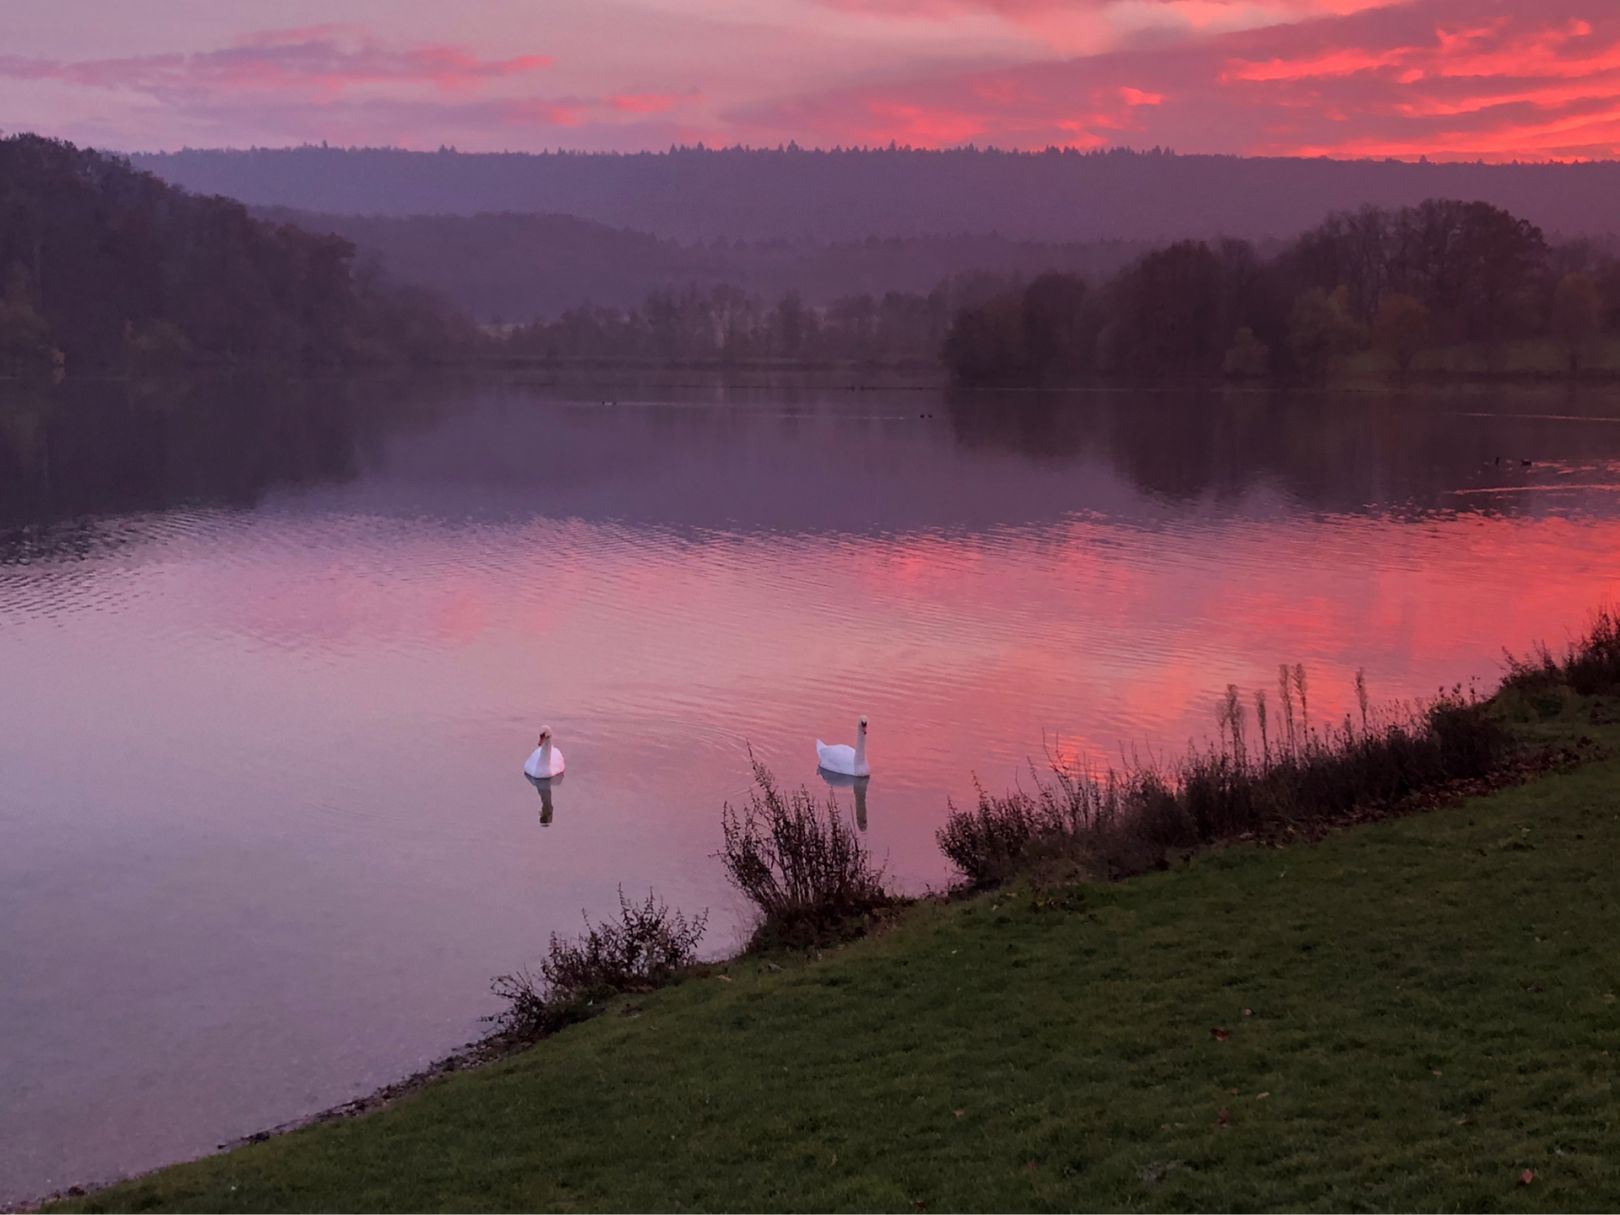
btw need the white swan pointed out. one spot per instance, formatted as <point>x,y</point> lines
<point>545,761</point>
<point>844,759</point>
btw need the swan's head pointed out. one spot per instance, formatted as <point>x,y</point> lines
<point>545,736</point>
<point>863,725</point>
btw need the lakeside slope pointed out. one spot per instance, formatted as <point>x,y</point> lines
<point>1434,1011</point>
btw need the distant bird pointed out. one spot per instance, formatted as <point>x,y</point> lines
<point>1524,463</point>
<point>1499,461</point>
<point>844,759</point>
<point>545,761</point>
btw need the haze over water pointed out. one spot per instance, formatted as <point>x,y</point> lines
<point>273,657</point>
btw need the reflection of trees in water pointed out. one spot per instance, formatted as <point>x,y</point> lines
<point>1332,451</point>
<point>84,449</point>
<point>794,455</point>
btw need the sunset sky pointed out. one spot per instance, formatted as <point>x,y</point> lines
<point>1451,79</point>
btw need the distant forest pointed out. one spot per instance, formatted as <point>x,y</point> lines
<point>851,195</point>
<point>1441,286</point>
<point>104,267</point>
<point>724,324</point>
<point>512,267</point>
<point>1400,283</point>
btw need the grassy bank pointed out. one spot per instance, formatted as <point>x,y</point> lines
<point>1407,1014</point>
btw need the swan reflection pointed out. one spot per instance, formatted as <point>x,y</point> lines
<point>543,785</point>
<point>838,780</point>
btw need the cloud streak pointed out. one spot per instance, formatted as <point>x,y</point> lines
<point>1427,77</point>
<point>1458,79</point>
<point>319,62</point>
<point>335,80</point>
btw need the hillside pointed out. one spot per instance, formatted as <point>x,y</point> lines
<point>517,267</point>
<point>104,267</point>
<point>851,195</point>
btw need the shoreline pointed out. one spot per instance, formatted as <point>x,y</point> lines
<point>1369,873</point>
<point>900,375</point>
<point>1548,759</point>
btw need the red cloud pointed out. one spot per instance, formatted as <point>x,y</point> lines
<point>1536,78</point>
<point>1332,63</point>
<point>1494,79</point>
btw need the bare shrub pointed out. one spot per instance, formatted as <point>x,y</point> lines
<point>644,949</point>
<point>1114,824</point>
<point>1590,665</point>
<point>801,865</point>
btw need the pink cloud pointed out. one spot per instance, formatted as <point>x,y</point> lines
<point>323,61</point>
<point>1492,79</point>
<point>1426,77</point>
<point>337,82</point>
<point>1345,62</point>
<point>641,103</point>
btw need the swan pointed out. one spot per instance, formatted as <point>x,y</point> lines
<point>545,761</point>
<point>844,759</point>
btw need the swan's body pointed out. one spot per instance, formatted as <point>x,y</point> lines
<point>545,761</point>
<point>844,759</point>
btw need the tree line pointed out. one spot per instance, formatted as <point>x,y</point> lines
<point>1399,282</point>
<point>833,195</point>
<point>725,324</point>
<point>106,268</point>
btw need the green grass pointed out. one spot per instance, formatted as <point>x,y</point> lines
<point>1537,357</point>
<point>1434,1011</point>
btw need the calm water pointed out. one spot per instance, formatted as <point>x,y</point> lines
<point>271,660</point>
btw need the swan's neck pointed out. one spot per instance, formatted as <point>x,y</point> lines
<point>860,748</point>
<point>545,753</point>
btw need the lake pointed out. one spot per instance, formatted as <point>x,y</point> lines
<point>271,658</point>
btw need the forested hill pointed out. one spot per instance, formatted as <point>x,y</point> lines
<point>507,267</point>
<point>104,267</point>
<point>851,195</point>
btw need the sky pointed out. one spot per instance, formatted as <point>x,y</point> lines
<point>1447,79</point>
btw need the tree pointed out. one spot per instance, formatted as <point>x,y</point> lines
<point>986,343</point>
<point>1577,316</point>
<point>1400,328</point>
<point>25,335</point>
<point>1168,310</point>
<point>1247,357</point>
<point>1054,320</point>
<point>1320,329</point>
<point>789,325</point>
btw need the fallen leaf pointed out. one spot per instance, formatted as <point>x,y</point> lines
<point>1435,1070</point>
<point>1219,1034</point>
<point>1248,1012</point>
<point>1261,1096</point>
<point>959,1113</point>
<point>1223,1116</point>
<point>723,978</point>
<point>1526,1177</point>
<point>1608,997</point>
